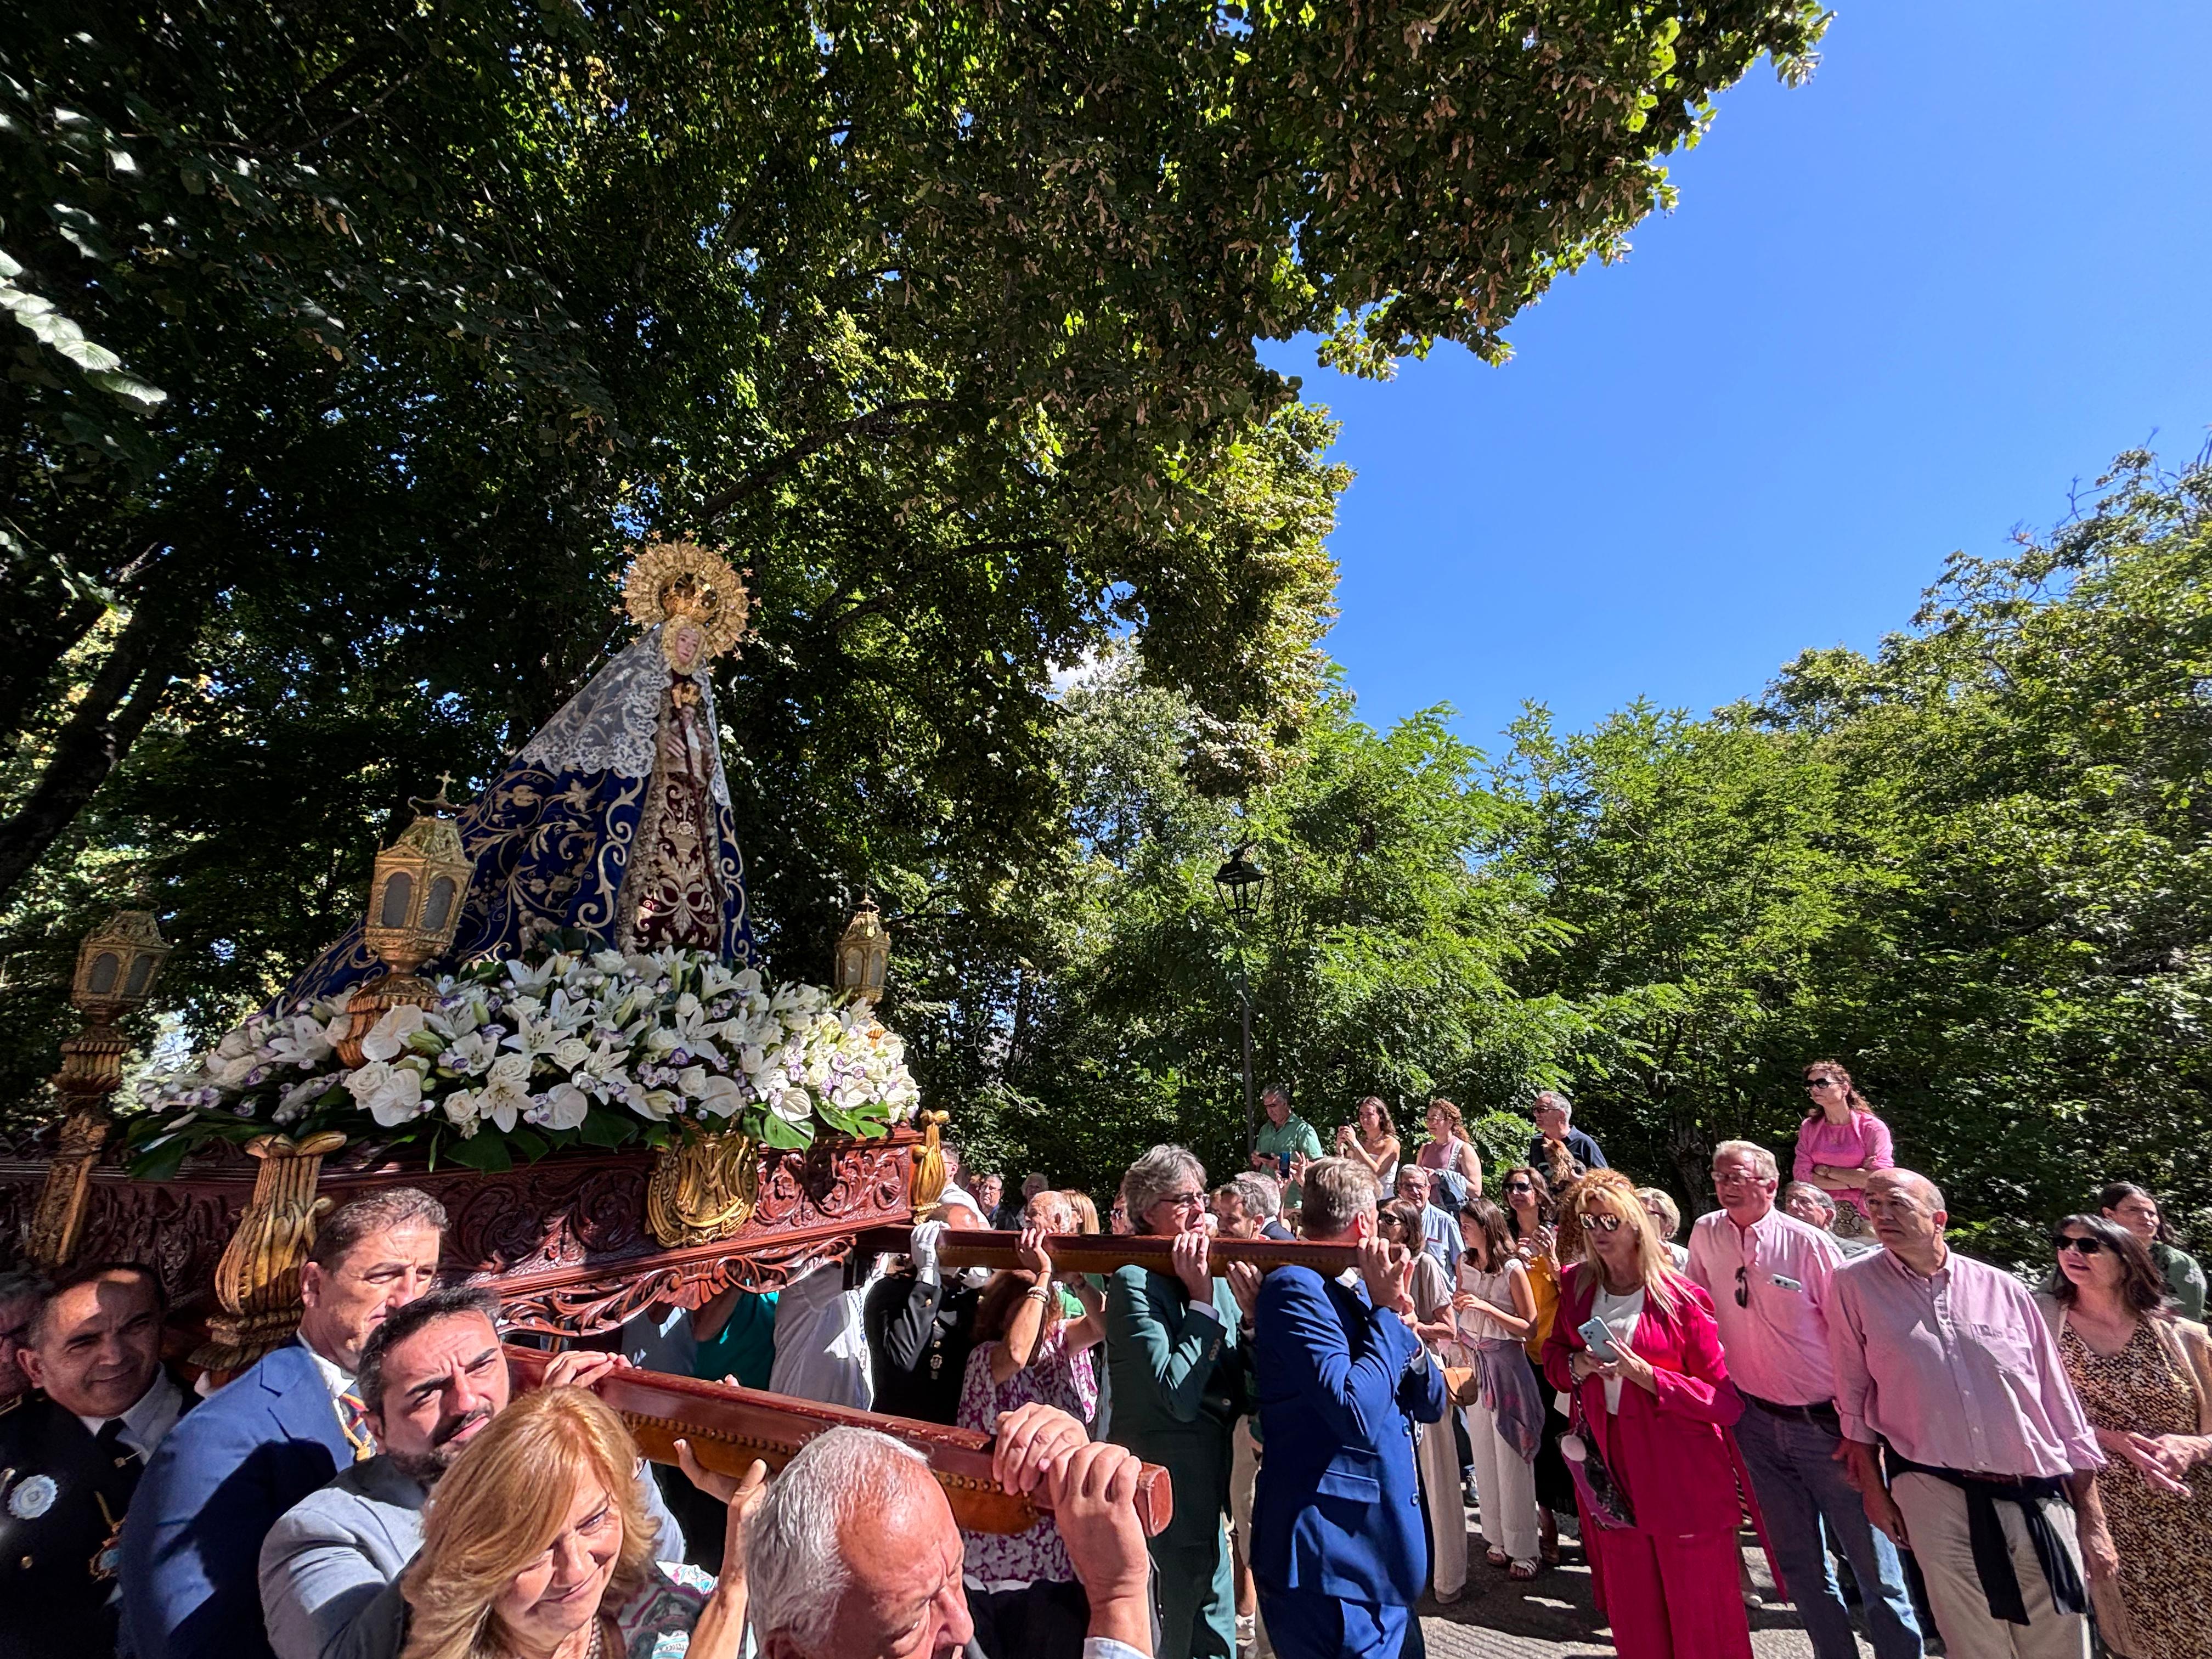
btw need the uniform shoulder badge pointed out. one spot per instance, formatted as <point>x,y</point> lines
<point>33,1497</point>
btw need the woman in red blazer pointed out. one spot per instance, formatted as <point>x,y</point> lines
<point>1658,1414</point>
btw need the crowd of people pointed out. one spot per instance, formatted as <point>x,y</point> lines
<point>1962,1454</point>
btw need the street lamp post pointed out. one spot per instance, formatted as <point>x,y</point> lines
<point>1241,882</point>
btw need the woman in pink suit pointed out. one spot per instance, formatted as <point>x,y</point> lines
<point>1658,1415</point>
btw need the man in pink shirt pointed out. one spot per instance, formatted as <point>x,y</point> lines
<point>1945,1363</point>
<point>1768,1275</point>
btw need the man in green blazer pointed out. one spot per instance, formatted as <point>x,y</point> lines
<point>1178,1373</point>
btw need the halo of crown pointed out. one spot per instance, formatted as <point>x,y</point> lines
<point>669,579</point>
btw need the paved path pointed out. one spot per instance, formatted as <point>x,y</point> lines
<point>1553,1618</point>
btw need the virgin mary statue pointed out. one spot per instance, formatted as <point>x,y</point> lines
<point>614,818</point>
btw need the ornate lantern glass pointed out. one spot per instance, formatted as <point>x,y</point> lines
<point>118,964</point>
<point>864,953</point>
<point>1241,882</point>
<point>415,897</point>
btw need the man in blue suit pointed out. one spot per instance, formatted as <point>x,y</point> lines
<point>1339,1549</point>
<point>191,1543</point>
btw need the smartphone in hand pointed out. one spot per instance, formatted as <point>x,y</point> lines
<point>1598,1336</point>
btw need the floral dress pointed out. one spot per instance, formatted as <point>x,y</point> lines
<point>1053,1377</point>
<point>2163,1541</point>
<point>656,1620</point>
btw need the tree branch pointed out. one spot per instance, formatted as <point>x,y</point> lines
<point>876,423</point>
<point>128,688</point>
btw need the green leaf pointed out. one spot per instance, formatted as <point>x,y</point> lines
<point>527,1143</point>
<point>603,1128</point>
<point>162,1161</point>
<point>788,1137</point>
<point>485,1152</point>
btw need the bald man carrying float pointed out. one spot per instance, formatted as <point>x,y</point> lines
<point>1947,1374</point>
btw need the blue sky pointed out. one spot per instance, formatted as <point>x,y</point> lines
<point>1900,310</point>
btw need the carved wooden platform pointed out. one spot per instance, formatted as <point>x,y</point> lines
<point>563,1242</point>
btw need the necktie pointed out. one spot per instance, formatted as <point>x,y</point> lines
<point>122,1458</point>
<point>353,1419</point>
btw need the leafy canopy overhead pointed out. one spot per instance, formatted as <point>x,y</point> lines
<point>349,346</point>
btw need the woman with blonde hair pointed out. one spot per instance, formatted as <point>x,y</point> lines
<point>1653,1406</point>
<point>536,1547</point>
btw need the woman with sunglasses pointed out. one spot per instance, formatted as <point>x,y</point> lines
<point>1175,1360</point>
<point>1529,1223</point>
<point>2145,1382</point>
<point>1654,1405</point>
<point>1840,1143</point>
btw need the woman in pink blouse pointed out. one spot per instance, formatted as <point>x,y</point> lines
<point>1840,1143</point>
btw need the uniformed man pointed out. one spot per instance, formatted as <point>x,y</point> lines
<point>71,1452</point>
<point>920,1330</point>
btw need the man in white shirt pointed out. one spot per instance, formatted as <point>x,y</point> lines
<point>853,1553</point>
<point>1769,1276</point>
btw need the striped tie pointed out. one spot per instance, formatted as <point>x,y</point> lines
<point>353,1420</point>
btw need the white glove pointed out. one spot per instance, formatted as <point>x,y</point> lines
<point>923,1248</point>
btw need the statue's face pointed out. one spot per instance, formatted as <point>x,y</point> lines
<point>683,647</point>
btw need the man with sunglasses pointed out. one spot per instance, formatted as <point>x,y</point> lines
<point>1769,1275</point>
<point>1948,1381</point>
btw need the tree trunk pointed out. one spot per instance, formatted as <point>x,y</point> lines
<point>122,697</point>
<point>31,648</point>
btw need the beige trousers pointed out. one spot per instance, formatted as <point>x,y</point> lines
<point>1243,1481</point>
<point>1935,1526</point>
<point>1438,1462</point>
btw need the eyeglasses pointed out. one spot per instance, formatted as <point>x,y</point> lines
<point>1823,1083</point>
<point>1186,1201</point>
<point>1604,1223</point>
<point>2075,1241</point>
<point>1520,1187</point>
<point>1743,1287</point>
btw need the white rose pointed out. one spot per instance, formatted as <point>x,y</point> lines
<point>390,1095</point>
<point>509,1073</point>
<point>570,1053</point>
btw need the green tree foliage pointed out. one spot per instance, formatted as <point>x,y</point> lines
<point>349,346</point>
<point>1376,965</point>
<point>1689,870</point>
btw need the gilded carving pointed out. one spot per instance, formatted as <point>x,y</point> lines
<point>703,1188</point>
<point>256,1282</point>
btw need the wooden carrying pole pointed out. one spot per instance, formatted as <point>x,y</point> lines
<point>1101,1253</point>
<point>728,1427</point>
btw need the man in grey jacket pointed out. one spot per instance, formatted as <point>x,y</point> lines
<point>431,1377</point>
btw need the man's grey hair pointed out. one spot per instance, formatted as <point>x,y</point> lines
<point>1762,1160</point>
<point>379,1212</point>
<point>1555,1097</point>
<point>1797,1189</point>
<point>795,1545</point>
<point>1160,1173</point>
<point>1337,1191</point>
<point>1261,1196</point>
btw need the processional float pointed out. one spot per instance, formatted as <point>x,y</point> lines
<point>551,1019</point>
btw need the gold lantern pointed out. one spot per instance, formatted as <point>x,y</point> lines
<point>863,954</point>
<point>116,968</point>
<point>414,907</point>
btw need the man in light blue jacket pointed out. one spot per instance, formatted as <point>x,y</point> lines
<point>431,1377</point>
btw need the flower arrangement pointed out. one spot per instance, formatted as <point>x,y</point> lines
<point>578,1046</point>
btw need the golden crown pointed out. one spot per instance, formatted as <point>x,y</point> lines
<point>670,581</point>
